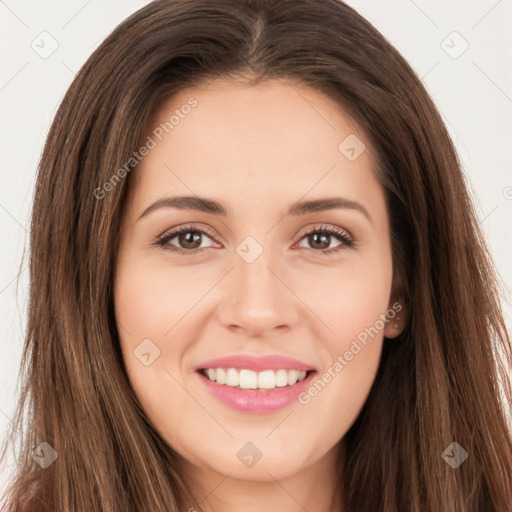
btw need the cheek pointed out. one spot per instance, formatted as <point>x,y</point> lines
<point>150,299</point>
<point>153,308</point>
<point>354,312</point>
<point>346,300</point>
<point>146,307</point>
<point>339,392</point>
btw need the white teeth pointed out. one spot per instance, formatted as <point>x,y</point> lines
<point>221,376</point>
<point>292,377</point>
<point>281,378</point>
<point>232,377</point>
<point>267,380</point>
<point>248,379</point>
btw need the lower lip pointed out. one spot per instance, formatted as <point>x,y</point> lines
<point>254,400</point>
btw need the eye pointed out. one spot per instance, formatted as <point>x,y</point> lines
<point>189,237</point>
<point>319,238</point>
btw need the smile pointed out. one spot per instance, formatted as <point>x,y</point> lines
<point>249,379</point>
<point>255,384</point>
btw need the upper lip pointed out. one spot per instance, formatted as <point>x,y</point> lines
<point>269,362</point>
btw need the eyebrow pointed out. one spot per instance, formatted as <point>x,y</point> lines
<point>298,208</point>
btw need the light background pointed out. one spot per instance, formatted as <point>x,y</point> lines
<point>472,88</point>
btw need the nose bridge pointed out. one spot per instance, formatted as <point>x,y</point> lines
<point>258,298</point>
<point>254,276</point>
<point>256,283</point>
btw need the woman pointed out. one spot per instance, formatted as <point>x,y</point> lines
<point>260,370</point>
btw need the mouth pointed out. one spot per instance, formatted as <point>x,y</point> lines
<point>256,385</point>
<point>249,379</point>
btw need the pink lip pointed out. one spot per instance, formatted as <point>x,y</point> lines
<point>257,364</point>
<point>254,400</point>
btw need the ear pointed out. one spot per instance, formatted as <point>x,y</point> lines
<point>397,315</point>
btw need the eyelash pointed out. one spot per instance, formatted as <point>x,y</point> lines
<point>340,234</point>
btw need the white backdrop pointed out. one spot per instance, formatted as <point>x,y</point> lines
<point>462,49</point>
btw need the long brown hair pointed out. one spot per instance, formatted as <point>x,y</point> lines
<point>439,382</point>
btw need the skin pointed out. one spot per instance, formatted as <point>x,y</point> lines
<point>256,149</point>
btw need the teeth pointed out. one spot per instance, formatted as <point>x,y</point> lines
<point>292,377</point>
<point>248,379</point>
<point>220,376</point>
<point>281,378</point>
<point>267,380</point>
<point>232,377</point>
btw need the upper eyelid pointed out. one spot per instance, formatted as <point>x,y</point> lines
<point>174,231</point>
<point>318,227</point>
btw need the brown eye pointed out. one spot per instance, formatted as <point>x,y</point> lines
<point>320,239</point>
<point>188,240</point>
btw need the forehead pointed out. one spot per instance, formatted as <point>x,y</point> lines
<point>260,142</point>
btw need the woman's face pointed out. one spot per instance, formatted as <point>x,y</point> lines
<point>217,324</point>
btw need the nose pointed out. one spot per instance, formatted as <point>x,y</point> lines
<point>258,300</point>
